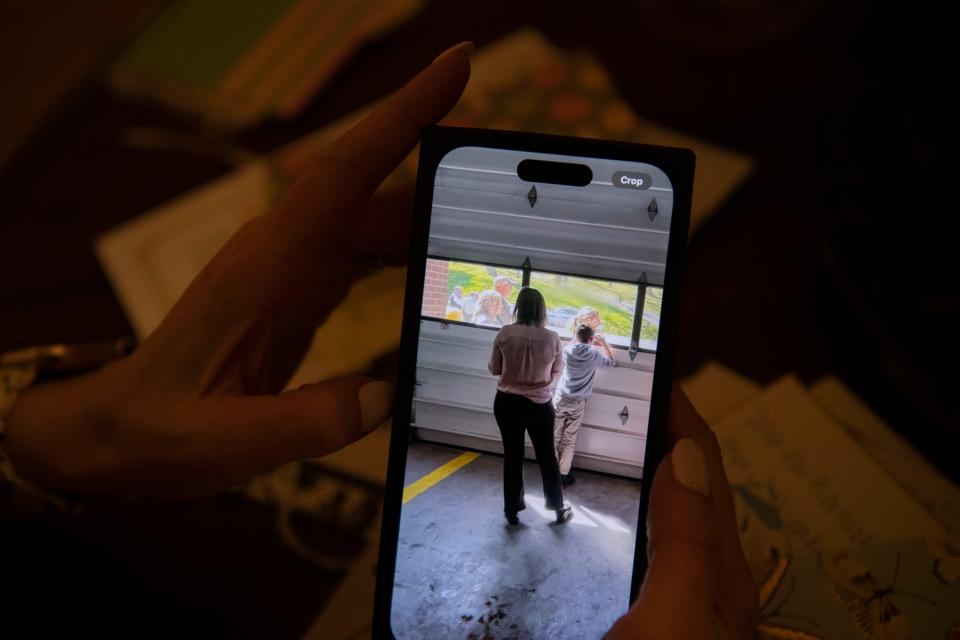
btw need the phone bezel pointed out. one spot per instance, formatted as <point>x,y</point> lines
<point>436,142</point>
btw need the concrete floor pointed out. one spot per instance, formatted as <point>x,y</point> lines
<point>463,572</point>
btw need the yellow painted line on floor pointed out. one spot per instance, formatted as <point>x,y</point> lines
<point>414,489</point>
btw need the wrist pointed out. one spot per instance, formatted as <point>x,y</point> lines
<point>55,434</point>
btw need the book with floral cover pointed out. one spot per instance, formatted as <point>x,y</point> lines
<point>840,545</point>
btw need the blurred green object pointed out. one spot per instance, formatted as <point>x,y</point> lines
<point>196,42</point>
<point>234,64</point>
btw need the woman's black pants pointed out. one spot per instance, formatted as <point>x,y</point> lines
<point>516,414</point>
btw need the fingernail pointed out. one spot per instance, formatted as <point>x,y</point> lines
<point>690,466</point>
<point>375,400</point>
<point>466,47</point>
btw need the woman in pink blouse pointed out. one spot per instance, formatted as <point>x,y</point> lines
<point>529,359</point>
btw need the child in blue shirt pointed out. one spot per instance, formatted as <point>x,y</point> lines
<point>586,353</point>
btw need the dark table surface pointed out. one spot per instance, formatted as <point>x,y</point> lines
<point>758,294</point>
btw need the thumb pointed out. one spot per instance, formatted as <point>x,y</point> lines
<point>253,433</point>
<point>677,599</point>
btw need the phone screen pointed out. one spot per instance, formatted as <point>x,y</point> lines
<point>524,447</point>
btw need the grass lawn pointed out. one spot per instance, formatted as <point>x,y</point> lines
<point>615,301</point>
<point>477,277</point>
<point>652,304</point>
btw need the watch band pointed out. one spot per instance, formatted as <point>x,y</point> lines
<point>13,380</point>
<point>67,358</point>
<point>19,369</point>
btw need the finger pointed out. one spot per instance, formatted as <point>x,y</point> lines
<point>319,209</point>
<point>678,594</point>
<point>685,422</point>
<point>383,240</point>
<point>738,601</point>
<point>297,321</point>
<point>383,237</point>
<point>250,434</point>
<point>316,221</point>
<point>273,255</point>
<point>383,228</point>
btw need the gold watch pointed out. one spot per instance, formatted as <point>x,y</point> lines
<point>67,358</point>
<point>20,368</point>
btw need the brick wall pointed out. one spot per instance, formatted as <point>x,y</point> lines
<point>435,289</point>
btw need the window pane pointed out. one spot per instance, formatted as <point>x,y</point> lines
<point>568,296</point>
<point>464,291</point>
<point>650,324</point>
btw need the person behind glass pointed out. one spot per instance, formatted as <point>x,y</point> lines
<point>528,359</point>
<point>470,303</point>
<point>588,316</point>
<point>489,306</point>
<point>503,285</point>
<point>455,299</point>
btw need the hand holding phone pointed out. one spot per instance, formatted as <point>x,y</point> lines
<point>279,254</point>
<point>698,583</point>
<point>585,230</point>
<point>198,408</point>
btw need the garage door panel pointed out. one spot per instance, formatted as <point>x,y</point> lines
<point>542,241</point>
<point>626,449</point>
<point>604,411</point>
<point>444,386</point>
<point>456,420</point>
<point>622,381</point>
<point>456,346</point>
<point>478,430</point>
<point>444,355</point>
<point>627,210</point>
<point>482,213</point>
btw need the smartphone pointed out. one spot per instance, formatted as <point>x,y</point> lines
<point>522,454</point>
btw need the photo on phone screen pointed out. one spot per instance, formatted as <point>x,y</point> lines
<point>524,447</point>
